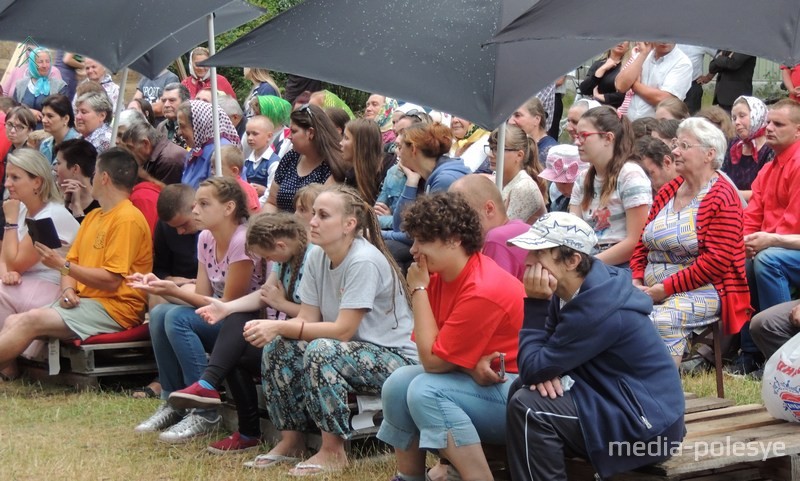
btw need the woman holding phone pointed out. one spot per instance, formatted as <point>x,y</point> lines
<point>32,195</point>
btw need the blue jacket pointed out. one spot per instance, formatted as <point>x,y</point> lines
<point>198,168</point>
<point>627,388</point>
<point>447,171</point>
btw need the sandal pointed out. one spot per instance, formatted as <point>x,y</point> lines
<point>310,469</point>
<point>147,392</point>
<point>263,461</point>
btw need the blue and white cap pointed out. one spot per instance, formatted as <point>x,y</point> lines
<point>558,229</point>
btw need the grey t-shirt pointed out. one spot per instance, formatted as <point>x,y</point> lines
<point>363,280</point>
<point>152,89</point>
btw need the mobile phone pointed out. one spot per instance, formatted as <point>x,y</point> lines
<point>502,371</point>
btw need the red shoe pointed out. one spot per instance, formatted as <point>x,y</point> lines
<point>194,396</point>
<point>234,444</point>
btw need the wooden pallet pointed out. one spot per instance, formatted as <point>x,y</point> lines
<point>723,442</point>
<point>85,364</point>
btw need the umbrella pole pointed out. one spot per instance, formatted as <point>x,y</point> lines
<point>501,155</point>
<point>118,107</point>
<point>214,99</point>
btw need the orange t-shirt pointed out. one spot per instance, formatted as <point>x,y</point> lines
<point>118,241</point>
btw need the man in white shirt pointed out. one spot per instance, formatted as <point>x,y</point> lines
<point>696,54</point>
<point>659,72</point>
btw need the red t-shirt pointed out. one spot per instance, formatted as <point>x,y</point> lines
<point>794,73</point>
<point>478,313</point>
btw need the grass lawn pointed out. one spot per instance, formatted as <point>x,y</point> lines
<point>51,433</point>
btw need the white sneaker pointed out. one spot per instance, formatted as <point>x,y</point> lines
<point>164,417</point>
<point>191,426</point>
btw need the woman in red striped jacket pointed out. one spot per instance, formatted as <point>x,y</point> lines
<point>690,258</point>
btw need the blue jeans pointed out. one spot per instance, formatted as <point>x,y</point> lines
<point>770,276</point>
<point>180,339</point>
<point>775,270</point>
<point>431,406</point>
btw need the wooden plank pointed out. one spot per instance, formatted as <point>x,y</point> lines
<point>706,404</point>
<point>732,448</point>
<point>689,395</point>
<point>721,413</point>
<point>785,467</point>
<point>730,424</point>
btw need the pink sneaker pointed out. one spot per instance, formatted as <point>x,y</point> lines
<point>195,396</point>
<point>233,444</point>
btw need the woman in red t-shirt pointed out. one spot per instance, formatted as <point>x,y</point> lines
<point>467,313</point>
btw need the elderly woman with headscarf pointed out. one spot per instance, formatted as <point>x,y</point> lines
<point>39,83</point>
<point>195,124</point>
<point>381,109</point>
<point>749,151</point>
<point>200,77</point>
<point>469,143</point>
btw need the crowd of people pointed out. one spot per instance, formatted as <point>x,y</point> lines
<point>337,255</point>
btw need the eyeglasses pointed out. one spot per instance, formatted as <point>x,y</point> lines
<point>414,114</point>
<point>306,108</point>
<point>15,127</point>
<point>682,145</point>
<point>492,151</point>
<point>581,136</point>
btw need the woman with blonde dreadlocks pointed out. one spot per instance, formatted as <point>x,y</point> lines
<point>353,330</point>
<point>280,238</point>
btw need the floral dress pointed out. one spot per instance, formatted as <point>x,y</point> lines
<point>672,242</point>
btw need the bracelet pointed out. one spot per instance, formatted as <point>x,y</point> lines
<point>68,287</point>
<point>10,226</point>
<point>302,326</point>
<point>418,288</point>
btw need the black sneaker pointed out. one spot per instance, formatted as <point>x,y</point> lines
<point>746,363</point>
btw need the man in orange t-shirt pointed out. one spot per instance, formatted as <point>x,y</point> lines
<point>113,241</point>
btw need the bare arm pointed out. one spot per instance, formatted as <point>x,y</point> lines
<point>635,219</point>
<point>651,95</point>
<point>630,73</point>
<point>271,205</point>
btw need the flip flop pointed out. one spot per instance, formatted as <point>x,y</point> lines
<point>310,469</point>
<point>263,461</point>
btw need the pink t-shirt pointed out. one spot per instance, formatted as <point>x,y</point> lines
<point>510,258</point>
<point>217,271</point>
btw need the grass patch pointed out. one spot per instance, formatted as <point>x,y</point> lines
<point>59,434</point>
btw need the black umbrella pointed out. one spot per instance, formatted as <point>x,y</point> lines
<point>232,15</point>
<point>767,29</point>
<point>421,51</point>
<point>114,32</point>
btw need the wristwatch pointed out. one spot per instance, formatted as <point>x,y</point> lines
<point>64,269</point>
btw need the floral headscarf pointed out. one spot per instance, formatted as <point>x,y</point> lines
<point>41,83</point>
<point>758,124</point>
<point>384,115</point>
<point>203,127</point>
<point>275,109</point>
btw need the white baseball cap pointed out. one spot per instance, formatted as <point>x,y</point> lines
<point>558,229</point>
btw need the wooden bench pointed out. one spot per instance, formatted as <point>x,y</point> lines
<point>723,442</point>
<point>313,440</point>
<point>115,354</point>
